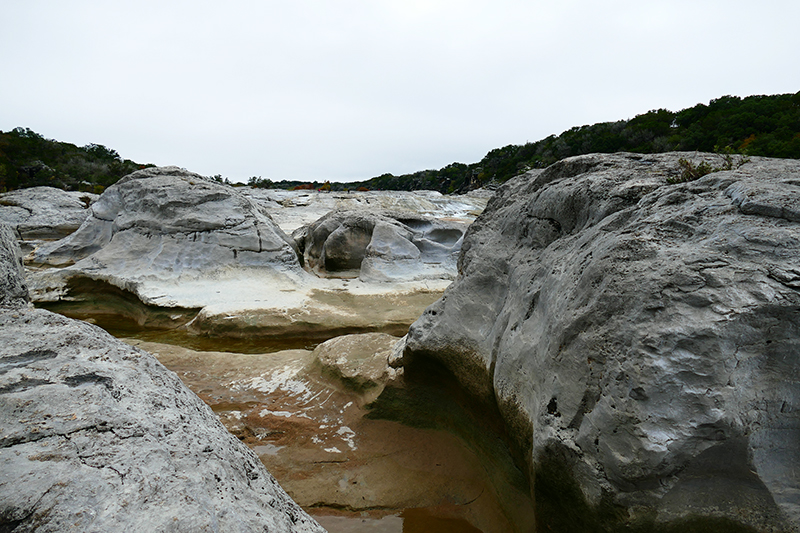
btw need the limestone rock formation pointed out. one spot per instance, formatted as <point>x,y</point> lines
<point>13,291</point>
<point>170,222</point>
<point>381,245</point>
<point>44,212</point>
<point>98,436</point>
<point>294,209</point>
<point>167,248</point>
<point>358,363</point>
<point>641,338</point>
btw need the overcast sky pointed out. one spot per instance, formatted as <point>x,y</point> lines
<point>351,89</point>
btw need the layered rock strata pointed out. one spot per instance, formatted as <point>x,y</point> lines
<point>44,212</point>
<point>98,436</point>
<point>640,336</point>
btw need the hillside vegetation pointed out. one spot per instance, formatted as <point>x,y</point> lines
<point>755,125</point>
<point>27,159</point>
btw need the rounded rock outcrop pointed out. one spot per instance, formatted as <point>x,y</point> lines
<point>44,212</point>
<point>171,222</point>
<point>381,245</point>
<point>98,436</point>
<point>640,336</point>
<point>360,363</point>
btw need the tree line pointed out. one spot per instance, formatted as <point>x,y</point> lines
<point>756,125</point>
<point>28,159</point>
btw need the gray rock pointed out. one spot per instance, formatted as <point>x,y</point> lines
<point>44,212</point>
<point>98,436</point>
<point>170,222</point>
<point>167,248</point>
<point>381,245</point>
<point>294,209</point>
<point>640,338</point>
<point>13,291</point>
<point>358,363</point>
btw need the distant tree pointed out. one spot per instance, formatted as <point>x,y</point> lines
<point>28,159</point>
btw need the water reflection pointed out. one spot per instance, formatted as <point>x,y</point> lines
<point>420,520</point>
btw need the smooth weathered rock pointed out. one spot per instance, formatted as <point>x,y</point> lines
<point>294,209</point>
<point>170,223</point>
<point>98,436</point>
<point>44,212</point>
<point>167,248</point>
<point>13,291</point>
<point>381,245</point>
<point>358,363</point>
<point>641,339</point>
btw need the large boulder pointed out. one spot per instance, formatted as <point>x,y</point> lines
<point>361,364</point>
<point>44,212</point>
<point>641,336</point>
<point>381,245</point>
<point>168,222</point>
<point>98,436</point>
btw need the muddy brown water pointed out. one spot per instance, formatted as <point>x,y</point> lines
<point>413,461</point>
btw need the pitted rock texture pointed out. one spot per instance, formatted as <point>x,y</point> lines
<point>98,436</point>
<point>381,245</point>
<point>13,291</point>
<point>641,338</point>
<point>44,212</point>
<point>170,222</point>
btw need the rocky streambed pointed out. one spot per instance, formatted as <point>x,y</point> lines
<point>611,345</point>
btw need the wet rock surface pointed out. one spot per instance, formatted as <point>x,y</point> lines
<point>640,338</point>
<point>98,436</point>
<point>318,435</point>
<point>358,363</point>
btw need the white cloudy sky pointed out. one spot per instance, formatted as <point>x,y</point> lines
<point>350,89</point>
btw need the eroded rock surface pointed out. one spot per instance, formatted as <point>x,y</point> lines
<point>13,291</point>
<point>164,247</point>
<point>381,245</point>
<point>170,222</point>
<point>641,338</point>
<point>44,212</point>
<point>294,209</point>
<point>98,436</point>
<point>359,363</point>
